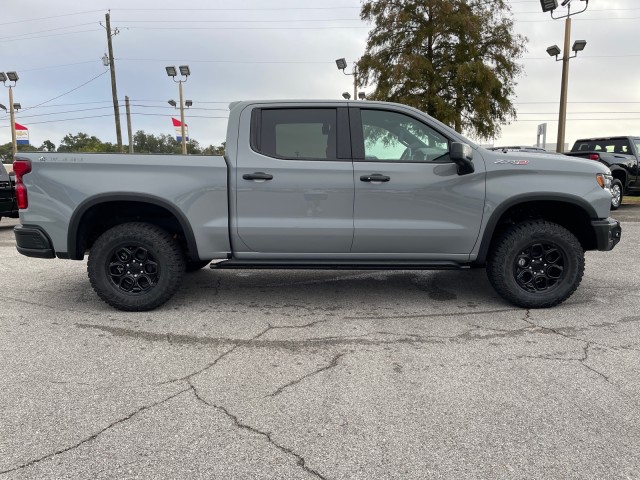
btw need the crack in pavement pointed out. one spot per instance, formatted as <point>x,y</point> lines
<point>332,364</point>
<point>95,435</point>
<point>585,354</point>
<point>300,460</point>
<point>236,344</point>
<point>557,331</point>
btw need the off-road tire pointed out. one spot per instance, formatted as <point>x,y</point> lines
<point>554,254</point>
<point>195,265</point>
<point>616,194</point>
<point>135,266</point>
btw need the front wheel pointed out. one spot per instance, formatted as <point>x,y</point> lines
<point>135,266</point>
<point>536,264</point>
<point>616,194</point>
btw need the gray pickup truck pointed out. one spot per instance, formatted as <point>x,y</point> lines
<point>319,184</point>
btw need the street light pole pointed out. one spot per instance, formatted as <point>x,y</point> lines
<point>341,63</point>
<point>182,129</point>
<point>562,118</point>
<point>14,142</point>
<point>12,77</point>
<point>551,6</point>
<point>185,72</point>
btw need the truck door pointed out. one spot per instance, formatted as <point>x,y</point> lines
<point>409,198</point>
<point>294,181</point>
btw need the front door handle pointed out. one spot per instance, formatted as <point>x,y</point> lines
<point>257,176</point>
<point>375,177</point>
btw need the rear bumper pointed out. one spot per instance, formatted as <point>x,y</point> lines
<point>607,232</point>
<point>32,241</point>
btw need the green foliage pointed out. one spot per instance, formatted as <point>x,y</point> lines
<point>6,150</point>
<point>48,146</point>
<point>454,59</point>
<point>81,142</point>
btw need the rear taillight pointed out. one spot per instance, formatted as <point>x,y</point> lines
<point>594,156</point>
<point>20,168</point>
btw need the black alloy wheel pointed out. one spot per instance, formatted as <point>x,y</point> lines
<point>135,266</point>
<point>539,267</point>
<point>536,264</point>
<point>133,269</point>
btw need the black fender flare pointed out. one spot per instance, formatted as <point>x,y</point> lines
<point>83,207</point>
<point>499,211</point>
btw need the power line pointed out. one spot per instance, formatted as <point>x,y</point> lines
<point>50,17</point>
<point>65,93</point>
<point>329,27</point>
<point>53,35</point>
<point>45,31</point>
<point>230,9</point>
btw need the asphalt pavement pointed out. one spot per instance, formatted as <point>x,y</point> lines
<point>319,374</point>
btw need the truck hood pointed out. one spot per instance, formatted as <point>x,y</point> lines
<point>548,162</point>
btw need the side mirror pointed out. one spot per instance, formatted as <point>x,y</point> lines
<point>462,155</point>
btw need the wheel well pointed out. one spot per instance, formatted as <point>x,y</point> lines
<point>570,216</point>
<point>99,218</point>
<point>621,175</point>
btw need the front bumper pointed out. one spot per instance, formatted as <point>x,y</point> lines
<point>607,232</point>
<point>32,241</point>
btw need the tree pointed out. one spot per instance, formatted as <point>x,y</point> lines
<point>214,150</point>
<point>453,59</point>
<point>48,146</point>
<point>81,142</point>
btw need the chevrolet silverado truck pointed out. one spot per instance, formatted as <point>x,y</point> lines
<point>8,206</point>
<point>621,156</point>
<point>318,185</point>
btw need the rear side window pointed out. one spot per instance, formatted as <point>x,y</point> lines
<point>616,145</point>
<point>296,133</point>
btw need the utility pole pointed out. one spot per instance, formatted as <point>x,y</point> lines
<point>114,89</point>
<point>126,102</point>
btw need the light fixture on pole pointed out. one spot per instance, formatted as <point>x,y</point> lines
<point>174,104</point>
<point>12,78</point>
<point>346,95</point>
<point>341,63</point>
<point>362,95</point>
<point>554,51</point>
<point>185,72</point>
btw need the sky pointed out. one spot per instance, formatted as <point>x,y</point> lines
<point>279,49</point>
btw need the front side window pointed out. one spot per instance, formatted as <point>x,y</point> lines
<point>298,133</point>
<point>395,137</point>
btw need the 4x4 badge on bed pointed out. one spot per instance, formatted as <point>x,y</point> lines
<point>514,162</point>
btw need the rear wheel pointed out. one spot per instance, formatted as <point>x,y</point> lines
<point>536,264</point>
<point>135,266</point>
<point>616,194</point>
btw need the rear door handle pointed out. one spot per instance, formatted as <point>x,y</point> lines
<point>257,176</point>
<point>375,177</point>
